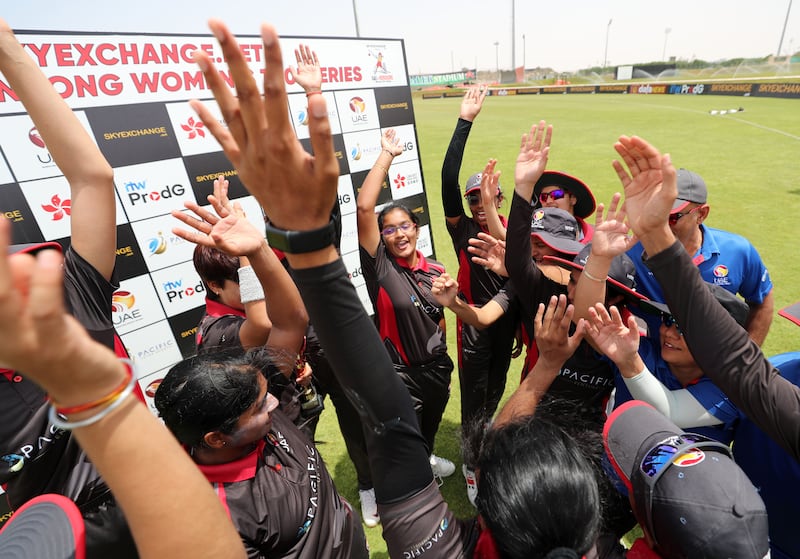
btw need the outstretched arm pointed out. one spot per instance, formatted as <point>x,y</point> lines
<point>610,239</point>
<point>729,358</point>
<point>91,179</point>
<point>280,320</point>
<point>551,327</point>
<point>38,337</point>
<point>489,200</point>
<point>451,167</point>
<point>369,236</point>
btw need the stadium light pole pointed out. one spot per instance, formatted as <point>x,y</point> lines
<point>664,52</point>
<point>355,18</point>
<point>780,44</point>
<point>497,59</point>
<point>605,55</point>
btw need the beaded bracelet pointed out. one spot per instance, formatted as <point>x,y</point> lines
<point>55,417</point>
<point>69,410</point>
<point>310,93</point>
<point>382,168</point>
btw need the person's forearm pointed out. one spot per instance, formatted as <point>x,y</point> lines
<point>526,397</point>
<point>760,318</point>
<point>451,167</point>
<point>679,406</point>
<point>469,314</point>
<point>284,307</point>
<point>591,287</point>
<point>155,482</point>
<point>725,352</point>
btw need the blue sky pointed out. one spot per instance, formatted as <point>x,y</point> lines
<point>444,35</point>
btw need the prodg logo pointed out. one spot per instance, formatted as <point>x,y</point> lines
<point>179,288</point>
<point>152,189</point>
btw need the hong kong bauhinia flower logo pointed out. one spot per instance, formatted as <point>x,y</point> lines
<point>399,181</point>
<point>194,128</point>
<point>58,207</point>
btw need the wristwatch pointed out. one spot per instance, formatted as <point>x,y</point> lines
<point>299,242</point>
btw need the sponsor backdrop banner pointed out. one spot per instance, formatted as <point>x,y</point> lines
<point>130,92</point>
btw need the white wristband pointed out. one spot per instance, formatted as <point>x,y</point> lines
<point>249,286</point>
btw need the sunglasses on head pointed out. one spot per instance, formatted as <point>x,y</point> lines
<point>556,194</point>
<point>392,229</point>
<point>669,321</point>
<point>673,218</point>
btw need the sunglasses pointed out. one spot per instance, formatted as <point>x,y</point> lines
<point>673,218</point>
<point>679,449</point>
<point>669,321</point>
<point>392,229</point>
<point>556,194</point>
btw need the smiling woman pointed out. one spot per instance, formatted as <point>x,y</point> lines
<point>399,280</point>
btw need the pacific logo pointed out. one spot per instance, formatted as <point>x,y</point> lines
<point>355,153</point>
<point>357,105</point>
<point>302,117</point>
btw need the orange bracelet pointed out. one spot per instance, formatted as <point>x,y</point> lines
<point>101,401</point>
<point>310,93</point>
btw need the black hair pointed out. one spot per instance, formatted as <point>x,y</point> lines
<point>209,392</point>
<point>213,265</point>
<point>537,489</point>
<point>396,206</point>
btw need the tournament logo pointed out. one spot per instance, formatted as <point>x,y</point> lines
<point>380,72</point>
<point>538,220</point>
<point>721,271</point>
<point>58,207</point>
<point>194,127</point>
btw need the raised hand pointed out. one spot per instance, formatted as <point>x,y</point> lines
<point>391,143</point>
<point>551,329</point>
<point>611,236</point>
<point>649,182</point>
<point>296,189</point>
<point>444,289</point>
<point>534,150</point>
<point>619,341</point>
<point>228,230</point>
<point>489,252</point>
<point>472,102</point>
<point>307,74</point>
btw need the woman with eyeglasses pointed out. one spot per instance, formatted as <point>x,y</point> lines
<point>410,321</point>
<point>560,190</point>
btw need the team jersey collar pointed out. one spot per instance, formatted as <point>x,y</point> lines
<point>239,470</point>
<point>215,308</point>
<point>422,263</point>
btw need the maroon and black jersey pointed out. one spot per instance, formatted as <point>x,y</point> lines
<point>35,457</point>
<point>283,502</point>
<point>406,312</point>
<point>476,284</point>
<point>219,327</point>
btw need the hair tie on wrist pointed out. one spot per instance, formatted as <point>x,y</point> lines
<point>316,92</point>
<point>591,277</point>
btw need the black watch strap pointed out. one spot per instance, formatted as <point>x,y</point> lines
<point>299,242</point>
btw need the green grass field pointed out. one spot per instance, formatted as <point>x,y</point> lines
<point>750,161</point>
